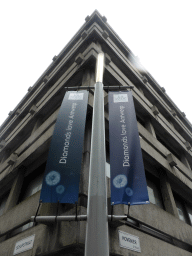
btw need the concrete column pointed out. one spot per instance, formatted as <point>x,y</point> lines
<point>167,195</point>
<point>37,125</point>
<point>15,190</point>
<point>150,128</point>
<point>4,157</point>
<point>99,45</point>
<point>171,123</point>
<point>185,161</point>
<point>141,90</point>
<point>88,78</point>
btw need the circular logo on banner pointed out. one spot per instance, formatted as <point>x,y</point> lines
<point>52,178</point>
<point>129,191</point>
<point>120,181</point>
<point>60,189</point>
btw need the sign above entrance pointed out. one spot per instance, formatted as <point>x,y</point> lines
<point>129,241</point>
<point>24,245</point>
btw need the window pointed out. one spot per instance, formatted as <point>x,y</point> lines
<point>167,145</point>
<point>184,209</point>
<point>3,201</point>
<point>20,229</point>
<point>140,120</point>
<point>153,188</point>
<point>107,164</point>
<point>33,186</point>
<point>189,211</point>
<point>181,211</point>
<point>32,183</point>
<point>107,169</point>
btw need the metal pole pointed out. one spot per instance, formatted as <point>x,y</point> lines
<point>113,87</point>
<point>47,219</point>
<point>50,219</point>
<point>97,241</point>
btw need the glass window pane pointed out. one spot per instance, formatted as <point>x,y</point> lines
<point>154,193</point>
<point>33,186</point>
<point>181,210</point>
<point>3,201</point>
<point>32,183</point>
<point>21,229</point>
<point>189,211</point>
<point>107,169</point>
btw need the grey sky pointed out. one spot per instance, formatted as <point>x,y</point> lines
<point>159,33</point>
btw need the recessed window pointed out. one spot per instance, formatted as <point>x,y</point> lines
<point>107,169</point>
<point>189,211</point>
<point>184,209</point>
<point>107,164</point>
<point>140,120</point>
<point>154,191</point>
<point>3,201</point>
<point>32,183</point>
<point>181,211</point>
<point>33,186</point>
<point>21,229</point>
<point>165,143</point>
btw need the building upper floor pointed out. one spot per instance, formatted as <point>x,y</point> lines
<point>165,133</point>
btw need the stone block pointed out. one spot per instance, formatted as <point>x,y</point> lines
<point>79,58</point>
<point>107,59</point>
<point>46,79</point>
<point>163,89</point>
<point>144,79</point>
<point>171,123</point>
<point>18,112</point>
<point>150,128</point>
<point>30,89</point>
<point>54,58</point>
<point>2,144</point>
<point>183,114</point>
<point>33,109</point>
<point>155,110</point>
<point>104,19</point>
<point>12,159</point>
<point>87,18</point>
<point>173,112</point>
<point>84,34</point>
<point>187,145</point>
<point>10,113</point>
<point>105,34</point>
<point>171,160</point>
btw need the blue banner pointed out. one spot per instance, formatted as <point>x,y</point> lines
<point>128,182</point>
<point>62,173</point>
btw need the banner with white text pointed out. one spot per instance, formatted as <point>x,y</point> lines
<point>128,182</point>
<point>62,173</point>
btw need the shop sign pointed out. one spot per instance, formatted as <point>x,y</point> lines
<point>24,245</point>
<point>129,241</point>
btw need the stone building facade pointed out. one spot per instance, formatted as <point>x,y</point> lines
<point>164,226</point>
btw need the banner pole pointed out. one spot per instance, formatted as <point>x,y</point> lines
<point>97,241</point>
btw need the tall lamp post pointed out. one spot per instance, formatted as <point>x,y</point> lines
<point>97,238</point>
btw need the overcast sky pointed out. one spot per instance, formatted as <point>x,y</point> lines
<point>33,32</point>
